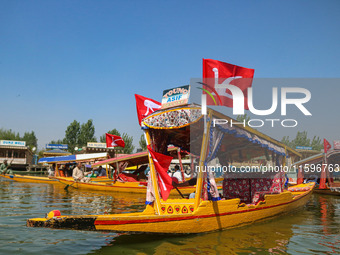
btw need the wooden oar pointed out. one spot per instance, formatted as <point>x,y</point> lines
<point>67,185</point>
<point>179,192</point>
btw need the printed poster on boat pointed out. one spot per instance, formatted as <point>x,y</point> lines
<point>175,96</point>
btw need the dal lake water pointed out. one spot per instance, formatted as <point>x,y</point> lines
<point>313,229</point>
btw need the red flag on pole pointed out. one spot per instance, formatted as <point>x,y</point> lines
<point>114,141</point>
<point>145,106</point>
<point>217,72</point>
<point>162,163</point>
<point>326,145</point>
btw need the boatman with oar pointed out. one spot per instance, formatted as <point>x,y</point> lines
<point>4,167</point>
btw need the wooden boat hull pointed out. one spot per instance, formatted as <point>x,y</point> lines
<point>178,215</point>
<point>130,187</point>
<point>327,192</point>
<point>31,179</point>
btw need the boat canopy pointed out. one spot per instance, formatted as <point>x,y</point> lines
<point>71,158</point>
<point>333,157</point>
<point>133,159</point>
<point>182,127</point>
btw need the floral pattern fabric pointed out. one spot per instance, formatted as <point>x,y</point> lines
<point>174,118</point>
<point>252,190</point>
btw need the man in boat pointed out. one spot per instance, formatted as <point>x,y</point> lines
<point>79,175</point>
<point>101,171</point>
<point>4,167</point>
<point>51,170</point>
<point>177,173</point>
<point>67,171</point>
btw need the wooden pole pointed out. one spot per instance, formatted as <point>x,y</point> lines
<point>300,175</point>
<point>204,148</point>
<point>322,184</point>
<point>153,176</point>
<point>57,170</point>
<point>180,163</point>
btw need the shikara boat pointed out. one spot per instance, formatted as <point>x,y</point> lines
<point>123,182</point>
<point>56,160</point>
<point>324,167</point>
<point>244,200</point>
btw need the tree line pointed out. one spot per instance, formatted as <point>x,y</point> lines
<point>302,139</point>
<point>76,135</point>
<point>29,137</point>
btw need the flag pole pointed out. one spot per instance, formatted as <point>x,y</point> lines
<point>322,184</point>
<point>153,175</point>
<point>199,184</point>
<point>180,163</point>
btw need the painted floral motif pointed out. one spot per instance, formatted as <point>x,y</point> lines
<point>170,210</point>
<point>173,119</point>
<point>184,209</point>
<point>177,208</point>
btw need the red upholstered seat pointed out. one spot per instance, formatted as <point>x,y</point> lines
<point>252,190</point>
<point>127,177</point>
<point>237,188</point>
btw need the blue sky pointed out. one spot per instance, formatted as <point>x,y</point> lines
<point>77,60</point>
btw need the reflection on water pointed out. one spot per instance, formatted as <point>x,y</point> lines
<point>311,230</point>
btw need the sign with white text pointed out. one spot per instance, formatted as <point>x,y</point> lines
<point>176,96</point>
<point>96,145</point>
<point>57,146</point>
<point>12,143</point>
<point>303,148</point>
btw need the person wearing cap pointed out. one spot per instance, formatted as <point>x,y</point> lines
<point>4,167</point>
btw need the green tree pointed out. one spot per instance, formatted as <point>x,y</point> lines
<point>129,147</point>
<point>112,132</point>
<point>8,134</point>
<point>59,141</point>
<point>317,143</point>
<point>41,153</point>
<point>127,139</point>
<point>31,139</point>
<point>241,118</point>
<point>302,139</point>
<point>86,133</point>
<point>142,143</point>
<point>72,134</point>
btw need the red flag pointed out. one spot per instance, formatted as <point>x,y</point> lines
<point>326,145</point>
<point>217,72</point>
<point>145,106</point>
<point>114,141</point>
<point>162,163</point>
